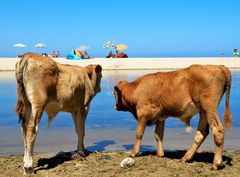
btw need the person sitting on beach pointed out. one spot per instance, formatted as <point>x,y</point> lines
<point>86,55</point>
<point>53,55</point>
<point>45,54</point>
<point>121,55</point>
<point>57,54</point>
<point>117,54</point>
<point>110,55</point>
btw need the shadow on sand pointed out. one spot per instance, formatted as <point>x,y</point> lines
<point>52,162</point>
<point>61,157</point>
<point>206,157</point>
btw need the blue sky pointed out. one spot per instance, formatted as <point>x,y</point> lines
<point>152,28</point>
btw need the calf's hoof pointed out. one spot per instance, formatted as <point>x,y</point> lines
<point>217,167</point>
<point>132,155</point>
<point>214,167</point>
<point>28,171</point>
<point>184,160</point>
<point>160,154</point>
<point>82,153</point>
<point>79,155</point>
<point>135,154</point>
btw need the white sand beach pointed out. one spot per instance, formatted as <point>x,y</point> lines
<point>8,64</point>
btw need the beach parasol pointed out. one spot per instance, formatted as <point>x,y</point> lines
<point>78,53</point>
<point>19,45</point>
<point>83,47</point>
<point>109,44</point>
<point>40,45</point>
<point>121,47</point>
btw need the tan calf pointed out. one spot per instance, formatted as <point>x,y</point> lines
<point>44,85</point>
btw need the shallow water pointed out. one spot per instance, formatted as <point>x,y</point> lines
<point>102,114</point>
<point>102,118</point>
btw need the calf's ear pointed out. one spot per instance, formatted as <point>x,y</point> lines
<point>117,89</point>
<point>98,69</point>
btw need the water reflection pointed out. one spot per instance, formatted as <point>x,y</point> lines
<point>111,78</point>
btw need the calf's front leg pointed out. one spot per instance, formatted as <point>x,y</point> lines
<point>79,121</point>
<point>159,133</point>
<point>139,134</point>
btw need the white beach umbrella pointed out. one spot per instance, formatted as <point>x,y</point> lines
<point>83,47</point>
<point>40,45</point>
<point>19,45</point>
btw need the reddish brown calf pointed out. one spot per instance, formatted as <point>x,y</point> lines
<point>182,93</point>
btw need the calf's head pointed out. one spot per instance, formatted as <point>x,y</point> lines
<point>121,104</point>
<point>95,75</point>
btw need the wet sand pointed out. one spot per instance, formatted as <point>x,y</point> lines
<point>108,147</point>
<point>101,140</point>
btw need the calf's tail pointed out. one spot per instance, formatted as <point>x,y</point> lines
<point>20,106</point>
<point>227,113</point>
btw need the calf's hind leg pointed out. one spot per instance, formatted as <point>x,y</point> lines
<point>30,133</point>
<point>218,135</point>
<point>201,134</point>
<point>24,127</point>
<point>210,109</point>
